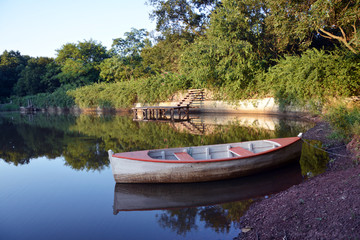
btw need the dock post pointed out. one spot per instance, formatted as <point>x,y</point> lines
<point>172,114</point>
<point>145,113</point>
<point>187,112</point>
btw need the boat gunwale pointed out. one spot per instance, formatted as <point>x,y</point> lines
<point>284,142</point>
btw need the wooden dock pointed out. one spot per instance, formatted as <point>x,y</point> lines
<point>161,112</point>
<point>179,112</point>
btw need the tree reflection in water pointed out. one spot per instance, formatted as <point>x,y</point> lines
<point>84,140</point>
<point>217,217</point>
<point>180,221</point>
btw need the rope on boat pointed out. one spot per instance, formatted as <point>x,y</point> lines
<point>321,149</point>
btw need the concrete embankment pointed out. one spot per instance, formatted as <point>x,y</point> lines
<point>259,106</point>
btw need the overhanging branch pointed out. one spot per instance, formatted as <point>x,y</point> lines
<point>341,39</point>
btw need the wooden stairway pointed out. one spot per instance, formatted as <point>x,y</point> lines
<point>194,97</point>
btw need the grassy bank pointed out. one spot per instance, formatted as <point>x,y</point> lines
<point>345,120</point>
<point>125,94</point>
<point>8,107</point>
<point>58,98</point>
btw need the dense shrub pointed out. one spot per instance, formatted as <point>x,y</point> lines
<point>313,78</point>
<point>58,98</point>
<point>345,120</point>
<point>124,94</point>
<point>8,107</point>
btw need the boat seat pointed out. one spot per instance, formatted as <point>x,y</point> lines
<point>241,151</point>
<point>183,156</point>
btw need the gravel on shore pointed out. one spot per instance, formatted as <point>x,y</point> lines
<point>324,207</point>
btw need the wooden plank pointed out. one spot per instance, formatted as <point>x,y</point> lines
<point>183,156</point>
<point>241,151</point>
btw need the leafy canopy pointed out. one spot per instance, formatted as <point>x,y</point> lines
<point>182,15</point>
<point>80,63</point>
<point>126,62</point>
<point>292,23</point>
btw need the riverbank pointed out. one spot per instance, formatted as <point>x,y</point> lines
<point>324,207</point>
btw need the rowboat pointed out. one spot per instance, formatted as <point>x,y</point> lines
<point>203,163</point>
<point>160,196</point>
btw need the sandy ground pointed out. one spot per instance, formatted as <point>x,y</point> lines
<point>324,207</point>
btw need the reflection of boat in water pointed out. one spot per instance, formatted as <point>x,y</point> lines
<point>132,197</point>
<point>203,163</point>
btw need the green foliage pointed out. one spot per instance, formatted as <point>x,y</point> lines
<point>160,87</point>
<point>287,25</point>
<point>210,62</point>
<point>11,64</point>
<point>165,55</point>
<point>80,63</point>
<point>312,79</point>
<point>30,82</point>
<point>115,95</point>
<point>132,45</point>
<point>338,20</point>
<point>182,15</point>
<point>227,57</point>
<point>344,120</point>
<point>8,107</point>
<point>86,51</point>
<point>58,98</point>
<point>78,73</point>
<point>50,79</point>
<point>118,69</point>
<point>126,62</point>
<point>292,25</point>
<point>124,94</point>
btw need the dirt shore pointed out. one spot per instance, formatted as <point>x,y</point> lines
<point>324,207</point>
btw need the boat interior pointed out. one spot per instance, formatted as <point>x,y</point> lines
<point>229,150</point>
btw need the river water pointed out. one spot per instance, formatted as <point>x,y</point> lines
<point>56,182</point>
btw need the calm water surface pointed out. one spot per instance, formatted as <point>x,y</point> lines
<point>56,182</point>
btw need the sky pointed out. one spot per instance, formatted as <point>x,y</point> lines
<point>38,27</point>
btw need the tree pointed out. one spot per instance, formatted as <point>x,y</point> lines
<point>229,53</point>
<point>182,15</point>
<point>126,62</point>
<point>118,69</point>
<point>30,82</point>
<point>165,55</point>
<point>292,23</point>
<point>80,63</point>
<point>50,79</point>
<point>11,64</point>
<point>132,44</point>
<point>339,20</point>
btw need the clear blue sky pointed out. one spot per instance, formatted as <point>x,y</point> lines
<point>39,27</point>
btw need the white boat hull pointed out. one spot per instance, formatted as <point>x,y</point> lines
<point>129,168</point>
